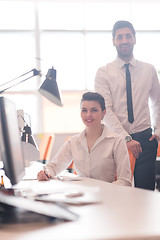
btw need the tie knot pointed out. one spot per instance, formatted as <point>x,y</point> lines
<point>127,65</point>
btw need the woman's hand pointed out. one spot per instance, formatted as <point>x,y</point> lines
<point>42,176</point>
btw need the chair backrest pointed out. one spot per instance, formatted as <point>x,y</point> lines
<point>45,147</point>
<point>132,162</point>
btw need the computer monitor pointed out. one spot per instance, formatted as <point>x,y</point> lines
<point>16,209</point>
<point>10,143</point>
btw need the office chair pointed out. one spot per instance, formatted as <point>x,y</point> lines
<point>157,176</point>
<point>132,162</point>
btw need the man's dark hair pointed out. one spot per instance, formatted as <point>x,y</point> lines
<point>122,24</point>
<point>94,96</point>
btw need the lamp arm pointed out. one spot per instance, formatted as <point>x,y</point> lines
<point>35,73</point>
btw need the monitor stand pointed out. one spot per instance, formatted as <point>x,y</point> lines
<point>14,215</point>
<point>15,209</point>
<point>11,215</point>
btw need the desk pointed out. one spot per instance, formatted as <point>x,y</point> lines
<point>124,213</point>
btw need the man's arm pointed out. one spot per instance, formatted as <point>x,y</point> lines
<point>155,105</point>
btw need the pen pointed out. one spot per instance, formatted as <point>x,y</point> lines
<point>44,169</point>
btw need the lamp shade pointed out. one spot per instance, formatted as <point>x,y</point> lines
<point>27,136</point>
<point>29,146</point>
<point>49,88</point>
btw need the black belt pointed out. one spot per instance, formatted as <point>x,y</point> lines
<point>142,134</point>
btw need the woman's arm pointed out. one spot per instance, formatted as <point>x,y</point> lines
<point>60,162</point>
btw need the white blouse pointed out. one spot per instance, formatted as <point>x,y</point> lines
<point>107,158</point>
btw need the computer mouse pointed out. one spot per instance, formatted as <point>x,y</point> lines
<point>74,194</point>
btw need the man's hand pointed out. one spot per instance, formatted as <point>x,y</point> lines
<point>154,136</point>
<point>134,147</point>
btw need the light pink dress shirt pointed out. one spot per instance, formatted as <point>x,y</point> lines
<point>110,81</point>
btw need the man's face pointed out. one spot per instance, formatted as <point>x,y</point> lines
<point>124,42</point>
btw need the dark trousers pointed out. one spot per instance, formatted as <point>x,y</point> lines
<point>144,173</point>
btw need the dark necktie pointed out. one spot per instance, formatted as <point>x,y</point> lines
<point>129,94</point>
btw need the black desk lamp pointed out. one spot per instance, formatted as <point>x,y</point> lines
<point>27,136</point>
<point>48,89</point>
<point>14,82</point>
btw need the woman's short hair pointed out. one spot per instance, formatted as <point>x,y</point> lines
<point>94,96</point>
<point>122,24</point>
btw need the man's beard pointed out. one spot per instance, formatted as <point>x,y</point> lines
<point>124,54</point>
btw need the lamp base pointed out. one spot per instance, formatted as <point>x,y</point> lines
<point>30,153</point>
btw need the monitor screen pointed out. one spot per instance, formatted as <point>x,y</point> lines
<point>10,143</point>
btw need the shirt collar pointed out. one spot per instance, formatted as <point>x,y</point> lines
<point>107,133</point>
<point>121,63</point>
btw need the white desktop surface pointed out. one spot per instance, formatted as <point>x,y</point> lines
<point>123,213</point>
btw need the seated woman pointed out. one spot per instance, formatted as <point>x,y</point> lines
<point>97,152</point>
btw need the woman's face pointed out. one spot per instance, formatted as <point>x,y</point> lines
<point>91,113</point>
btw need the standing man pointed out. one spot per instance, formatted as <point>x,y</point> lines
<point>127,85</point>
